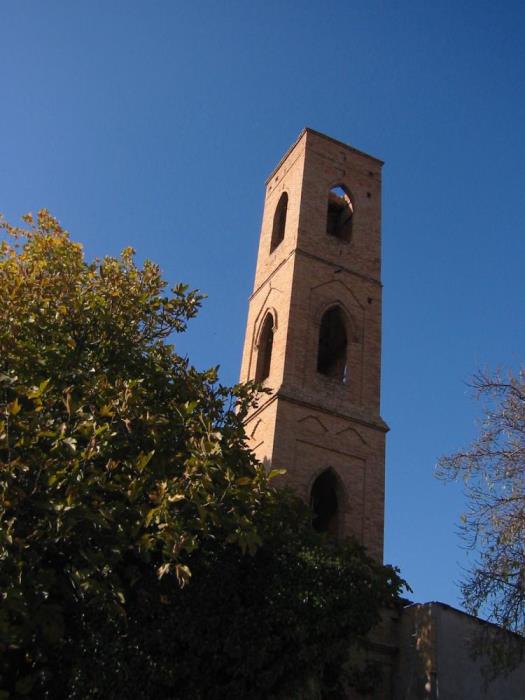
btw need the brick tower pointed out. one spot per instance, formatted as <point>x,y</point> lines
<point>313,335</point>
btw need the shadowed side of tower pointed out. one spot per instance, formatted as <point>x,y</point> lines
<point>313,335</point>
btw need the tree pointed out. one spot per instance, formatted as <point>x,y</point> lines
<point>115,453</point>
<point>279,624</point>
<point>123,470</point>
<point>493,472</point>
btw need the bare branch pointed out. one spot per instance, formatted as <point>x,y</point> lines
<point>493,472</point>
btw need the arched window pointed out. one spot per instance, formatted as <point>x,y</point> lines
<point>325,503</point>
<point>340,214</point>
<point>331,353</point>
<point>279,221</point>
<point>264,349</point>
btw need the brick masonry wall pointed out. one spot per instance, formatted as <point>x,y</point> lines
<point>311,422</point>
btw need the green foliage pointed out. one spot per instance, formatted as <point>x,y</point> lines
<point>143,552</point>
<point>115,454</point>
<point>278,624</point>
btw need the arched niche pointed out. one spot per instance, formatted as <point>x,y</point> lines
<point>279,221</point>
<point>325,500</point>
<point>264,348</point>
<point>340,213</point>
<point>333,345</point>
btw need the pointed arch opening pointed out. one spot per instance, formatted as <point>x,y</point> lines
<point>279,222</point>
<point>325,503</point>
<point>332,348</point>
<point>264,349</point>
<point>340,214</point>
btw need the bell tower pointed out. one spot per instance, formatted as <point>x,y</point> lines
<point>313,335</point>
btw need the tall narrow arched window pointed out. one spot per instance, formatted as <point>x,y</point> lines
<point>264,349</point>
<point>279,221</point>
<point>332,349</point>
<point>325,504</point>
<point>340,214</point>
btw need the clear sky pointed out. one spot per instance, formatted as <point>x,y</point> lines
<point>155,124</point>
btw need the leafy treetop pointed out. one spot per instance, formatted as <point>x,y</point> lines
<point>123,470</point>
<point>112,447</point>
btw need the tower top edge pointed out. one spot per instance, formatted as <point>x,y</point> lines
<point>306,131</point>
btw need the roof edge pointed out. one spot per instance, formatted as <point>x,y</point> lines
<point>309,130</point>
<point>464,613</point>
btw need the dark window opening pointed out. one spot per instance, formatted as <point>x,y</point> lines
<point>324,504</point>
<point>264,353</point>
<point>279,222</point>
<point>340,214</point>
<point>331,354</point>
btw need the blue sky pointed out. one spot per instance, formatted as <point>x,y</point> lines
<point>155,124</point>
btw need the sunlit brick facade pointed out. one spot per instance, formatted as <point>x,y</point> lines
<point>313,334</point>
